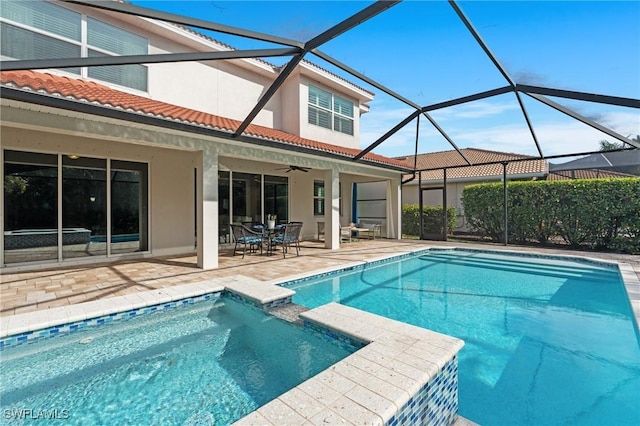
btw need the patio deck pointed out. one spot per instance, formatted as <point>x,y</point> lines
<point>22,292</point>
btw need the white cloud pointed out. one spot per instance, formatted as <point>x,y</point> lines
<point>555,137</point>
<point>557,134</point>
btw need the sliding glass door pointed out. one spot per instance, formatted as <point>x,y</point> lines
<point>31,207</point>
<point>84,207</point>
<point>129,215</point>
<point>41,188</point>
<point>249,198</point>
<point>276,197</point>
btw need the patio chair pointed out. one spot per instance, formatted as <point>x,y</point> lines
<point>290,237</point>
<point>246,237</point>
<point>345,234</point>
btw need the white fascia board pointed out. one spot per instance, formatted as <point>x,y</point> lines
<point>123,131</point>
<point>333,81</point>
<point>489,178</point>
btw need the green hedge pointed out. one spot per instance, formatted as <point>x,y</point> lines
<point>432,219</point>
<point>596,213</point>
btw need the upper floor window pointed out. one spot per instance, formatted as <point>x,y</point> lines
<point>42,30</point>
<point>330,111</point>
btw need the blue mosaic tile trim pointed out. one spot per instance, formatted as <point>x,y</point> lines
<point>276,303</point>
<point>350,268</point>
<point>436,403</point>
<point>67,328</point>
<point>252,302</point>
<point>568,257</point>
<point>344,341</point>
<point>452,249</point>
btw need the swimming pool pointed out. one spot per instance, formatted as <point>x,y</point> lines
<point>205,363</point>
<point>547,341</point>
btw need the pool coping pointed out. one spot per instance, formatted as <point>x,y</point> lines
<point>382,383</point>
<point>31,321</point>
<point>406,356</point>
<point>630,279</point>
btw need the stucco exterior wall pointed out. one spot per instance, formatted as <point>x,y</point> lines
<point>171,179</point>
<point>291,102</point>
<point>216,87</point>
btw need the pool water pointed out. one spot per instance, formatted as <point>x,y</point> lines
<point>206,363</point>
<point>546,341</point>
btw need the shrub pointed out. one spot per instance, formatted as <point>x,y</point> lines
<point>596,213</point>
<point>432,218</point>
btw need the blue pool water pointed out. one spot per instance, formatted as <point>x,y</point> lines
<point>546,341</point>
<point>207,363</point>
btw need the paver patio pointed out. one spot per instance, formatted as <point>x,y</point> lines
<point>22,292</point>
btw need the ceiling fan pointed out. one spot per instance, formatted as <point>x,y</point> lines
<point>293,168</point>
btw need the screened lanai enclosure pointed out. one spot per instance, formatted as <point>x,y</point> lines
<point>447,76</point>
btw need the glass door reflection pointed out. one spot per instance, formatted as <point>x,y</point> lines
<point>84,207</point>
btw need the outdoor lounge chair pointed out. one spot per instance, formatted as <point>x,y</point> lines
<point>290,237</point>
<point>246,237</point>
<point>345,234</point>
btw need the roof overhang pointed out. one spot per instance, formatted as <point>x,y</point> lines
<point>478,179</point>
<point>334,82</point>
<point>47,100</point>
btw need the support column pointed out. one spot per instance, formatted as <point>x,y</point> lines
<point>394,208</point>
<point>2,262</point>
<point>332,209</point>
<point>504,193</point>
<point>445,216</point>
<point>207,209</point>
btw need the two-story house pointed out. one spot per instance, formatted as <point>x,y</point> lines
<point>102,162</point>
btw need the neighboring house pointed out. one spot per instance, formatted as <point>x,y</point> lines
<point>139,160</point>
<point>459,177</point>
<point>586,174</point>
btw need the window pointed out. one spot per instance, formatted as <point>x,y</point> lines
<point>330,111</point>
<point>42,30</point>
<point>318,198</point>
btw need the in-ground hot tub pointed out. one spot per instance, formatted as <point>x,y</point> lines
<point>30,238</point>
<point>194,361</point>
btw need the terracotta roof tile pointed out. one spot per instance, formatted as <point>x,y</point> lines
<point>476,156</point>
<point>586,174</point>
<point>103,95</point>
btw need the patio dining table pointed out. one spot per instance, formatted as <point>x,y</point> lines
<point>267,237</point>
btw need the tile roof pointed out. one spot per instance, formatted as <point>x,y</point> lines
<point>99,94</point>
<point>587,174</point>
<point>534,167</point>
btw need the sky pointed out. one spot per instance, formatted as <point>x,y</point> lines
<point>422,51</point>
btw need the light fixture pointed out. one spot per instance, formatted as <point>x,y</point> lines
<point>92,198</point>
<point>73,156</point>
